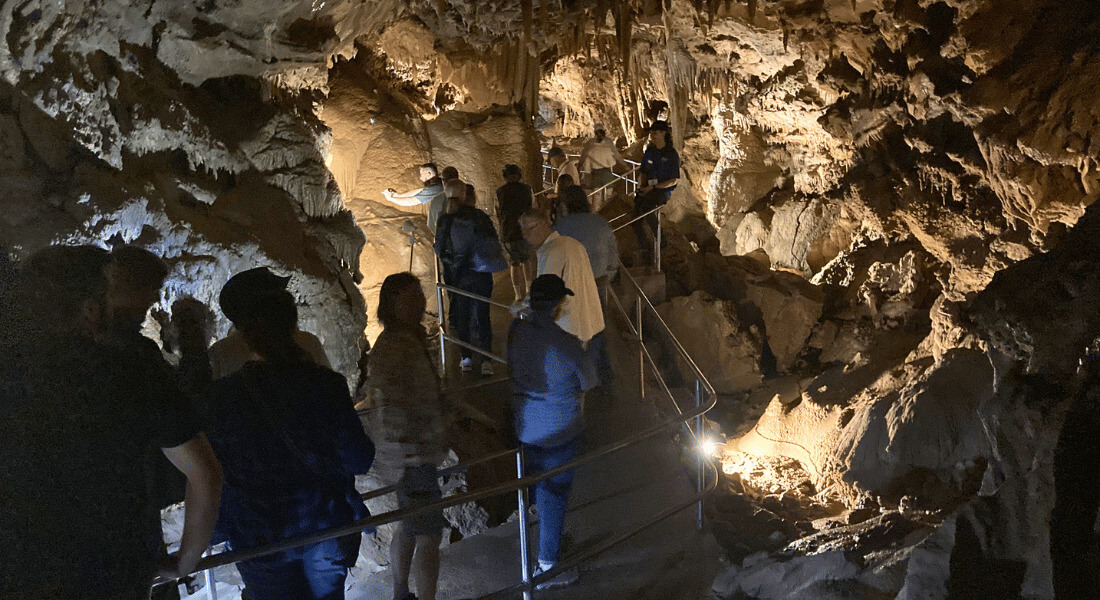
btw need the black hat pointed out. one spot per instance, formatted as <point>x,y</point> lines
<point>660,126</point>
<point>237,293</point>
<point>549,288</point>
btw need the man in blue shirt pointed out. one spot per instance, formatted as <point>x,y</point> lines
<point>549,373</point>
<point>660,172</point>
<point>594,233</point>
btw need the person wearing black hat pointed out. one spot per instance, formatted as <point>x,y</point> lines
<point>238,300</point>
<point>549,373</point>
<point>660,172</point>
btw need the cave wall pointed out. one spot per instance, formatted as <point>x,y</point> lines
<point>878,196</point>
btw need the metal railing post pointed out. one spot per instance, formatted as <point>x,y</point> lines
<point>699,436</point>
<point>641,350</point>
<point>442,324</point>
<point>657,243</point>
<point>521,495</point>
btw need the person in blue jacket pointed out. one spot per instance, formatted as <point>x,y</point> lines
<point>660,172</point>
<point>290,445</point>
<point>550,372</point>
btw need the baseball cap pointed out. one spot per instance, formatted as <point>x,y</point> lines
<point>549,288</point>
<point>659,126</point>
<point>237,295</point>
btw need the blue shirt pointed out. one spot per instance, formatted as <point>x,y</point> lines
<point>289,443</point>
<point>549,370</point>
<point>593,232</point>
<point>660,165</point>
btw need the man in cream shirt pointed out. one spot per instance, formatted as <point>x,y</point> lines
<point>581,314</point>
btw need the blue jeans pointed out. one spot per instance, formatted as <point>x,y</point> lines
<point>552,494</point>
<point>469,317</point>
<point>314,572</point>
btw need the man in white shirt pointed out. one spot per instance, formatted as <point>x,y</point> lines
<point>598,158</point>
<point>581,314</point>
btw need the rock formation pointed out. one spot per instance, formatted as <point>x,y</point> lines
<point>881,241</point>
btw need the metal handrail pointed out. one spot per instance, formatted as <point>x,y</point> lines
<point>652,361</point>
<point>445,337</point>
<point>523,482</point>
<point>225,558</point>
<point>568,563</point>
<point>675,341</point>
<point>637,218</point>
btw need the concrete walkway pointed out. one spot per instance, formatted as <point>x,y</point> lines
<point>669,561</point>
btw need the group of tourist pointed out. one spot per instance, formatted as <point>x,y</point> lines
<point>257,433</point>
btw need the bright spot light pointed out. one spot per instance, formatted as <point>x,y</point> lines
<point>709,447</point>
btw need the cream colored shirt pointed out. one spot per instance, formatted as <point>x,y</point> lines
<point>601,155</point>
<point>581,313</point>
<point>229,354</point>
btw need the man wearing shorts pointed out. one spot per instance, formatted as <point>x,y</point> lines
<point>513,199</point>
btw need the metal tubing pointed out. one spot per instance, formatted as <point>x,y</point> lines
<point>591,551</point>
<point>637,218</point>
<point>676,342</point>
<point>474,348</point>
<point>211,584</point>
<point>461,292</point>
<point>699,438</point>
<point>442,322</point>
<point>459,468</point>
<point>392,516</point>
<point>641,350</point>
<point>657,242</point>
<point>524,558</point>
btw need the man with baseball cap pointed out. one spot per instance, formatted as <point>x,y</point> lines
<point>238,302</point>
<point>660,172</point>
<point>549,373</point>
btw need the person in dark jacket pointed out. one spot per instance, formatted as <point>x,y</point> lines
<point>460,234</point>
<point>290,445</point>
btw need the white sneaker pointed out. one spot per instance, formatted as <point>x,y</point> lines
<point>466,365</point>
<point>486,369</point>
<point>563,579</point>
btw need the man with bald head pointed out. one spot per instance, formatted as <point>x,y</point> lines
<point>581,313</point>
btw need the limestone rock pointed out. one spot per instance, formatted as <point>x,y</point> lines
<point>726,351</point>
<point>801,236</point>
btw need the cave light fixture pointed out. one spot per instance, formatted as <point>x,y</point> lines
<point>710,447</point>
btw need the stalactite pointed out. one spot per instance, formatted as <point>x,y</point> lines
<point>752,11</point>
<point>523,58</point>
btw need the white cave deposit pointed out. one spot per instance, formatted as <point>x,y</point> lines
<point>882,248</point>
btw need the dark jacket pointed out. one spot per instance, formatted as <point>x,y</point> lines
<point>456,238</point>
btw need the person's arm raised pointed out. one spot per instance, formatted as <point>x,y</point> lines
<point>195,459</point>
<point>409,198</point>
